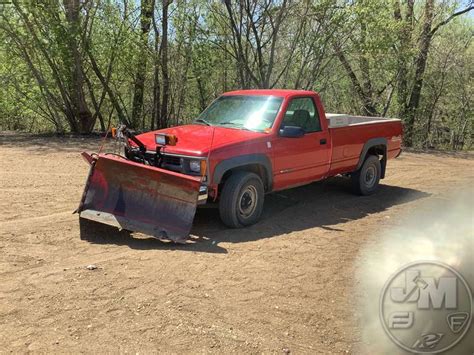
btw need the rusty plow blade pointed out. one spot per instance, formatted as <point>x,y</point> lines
<point>140,198</point>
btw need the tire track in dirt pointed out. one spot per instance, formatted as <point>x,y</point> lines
<point>19,223</point>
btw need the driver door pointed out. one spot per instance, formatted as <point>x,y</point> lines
<point>301,160</point>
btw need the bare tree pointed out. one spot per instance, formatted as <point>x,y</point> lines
<point>78,100</point>
<point>147,7</point>
<point>164,115</point>
<point>255,28</point>
<point>409,110</point>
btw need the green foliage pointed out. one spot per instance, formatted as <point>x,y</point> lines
<point>355,53</point>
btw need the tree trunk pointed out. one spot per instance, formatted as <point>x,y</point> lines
<point>368,108</point>
<point>420,66</point>
<point>155,114</point>
<point>68,108</point>
<point>78,100</point>
<point>113,98</point>
<point>164,66</point>
<point>404,45</point>
<point>147,7</point>
<point>97,105</point>
<point>156,110</point>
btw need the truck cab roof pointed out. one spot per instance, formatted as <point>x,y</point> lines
<point>270,92</point>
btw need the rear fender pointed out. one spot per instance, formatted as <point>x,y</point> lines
<point>371,144</point>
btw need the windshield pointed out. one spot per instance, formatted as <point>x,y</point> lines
<point>246,112</point>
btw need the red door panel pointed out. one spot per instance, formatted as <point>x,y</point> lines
<point>298,161</point>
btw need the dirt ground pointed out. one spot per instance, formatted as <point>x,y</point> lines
<point>281,285</point>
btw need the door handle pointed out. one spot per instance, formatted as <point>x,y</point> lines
<point>322,141</point>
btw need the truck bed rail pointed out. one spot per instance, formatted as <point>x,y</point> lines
<point>336,120</point>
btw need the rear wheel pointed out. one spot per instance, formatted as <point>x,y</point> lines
<point>366,180</point>
<point>241,201</point>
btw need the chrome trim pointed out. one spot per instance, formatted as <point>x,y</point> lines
<point>177,155</point>
<point>184,156</point>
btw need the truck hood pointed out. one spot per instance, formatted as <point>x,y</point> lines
<point>196,139</point>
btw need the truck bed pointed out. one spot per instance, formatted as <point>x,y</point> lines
<point>350,133</point>
<point>336,120</point>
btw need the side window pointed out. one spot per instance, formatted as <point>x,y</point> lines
<point>301,112</point>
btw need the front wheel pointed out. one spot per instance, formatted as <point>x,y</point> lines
<point>366,180</point>
<point>241,200</point>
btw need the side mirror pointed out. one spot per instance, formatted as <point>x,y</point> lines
<point>291,132</point>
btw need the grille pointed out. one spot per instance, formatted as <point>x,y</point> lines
<point>171,160</point>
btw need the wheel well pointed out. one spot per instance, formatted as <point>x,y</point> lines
<point>254,168</point>
<point>376,150</point>
<point>380,151</point>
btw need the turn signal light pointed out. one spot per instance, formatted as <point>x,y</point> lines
<point>172,139</point>
<point>203,167</point>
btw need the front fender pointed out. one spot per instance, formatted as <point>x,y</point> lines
<point>240,161</point>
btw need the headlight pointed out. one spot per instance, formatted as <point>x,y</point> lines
<point>195,166</point>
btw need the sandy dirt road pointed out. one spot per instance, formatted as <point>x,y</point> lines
<point>283,284</point>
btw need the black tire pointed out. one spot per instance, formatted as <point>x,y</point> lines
<point>366,180</point>
<point>241,200</point>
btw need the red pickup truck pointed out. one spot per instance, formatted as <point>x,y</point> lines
<point>245,144</point>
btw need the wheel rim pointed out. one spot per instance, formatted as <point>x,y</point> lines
<point>370,176</point>
<point>248,201</point>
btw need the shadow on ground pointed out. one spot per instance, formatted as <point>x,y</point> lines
<point>327,204</point>
<point>97,233</point>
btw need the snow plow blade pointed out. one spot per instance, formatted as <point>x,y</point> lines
<point>140,198</point>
